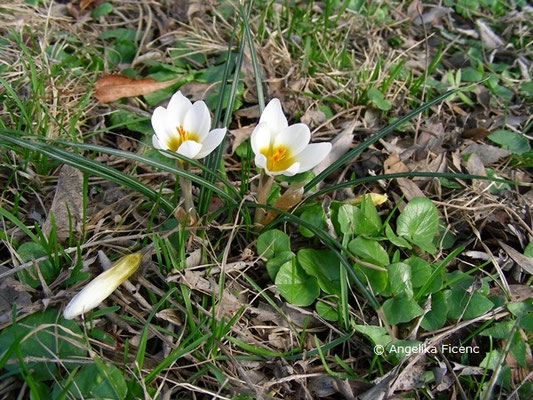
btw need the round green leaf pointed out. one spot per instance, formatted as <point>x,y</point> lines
<point>401,309</point>
<point>295,285</point>
<point>512,141</point>
<point>436,317</point>
<point>274,264</point>
<point>324,266</point>
<point>272,242</point>
<point>31,251</point>
<point>400,279</point>
<point>316,217</point>
<point>420,270</point>
<point>418,223</point>
<point>369,250</point>
<point>326,311</point>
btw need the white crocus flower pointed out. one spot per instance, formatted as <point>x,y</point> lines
<point>102,286</point>
<point>281,149</point>
<point>183,127</point>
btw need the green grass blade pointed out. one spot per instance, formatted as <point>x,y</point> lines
<point>253,56</point>
<point>375,178</point>
<point>367,143</point>
<point>6,214</point>
<point>91,167</point>
<point>214,159</point>
<point>176,171</point>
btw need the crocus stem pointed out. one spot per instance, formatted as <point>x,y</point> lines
<point>186,192</point>
<point>263,189</point>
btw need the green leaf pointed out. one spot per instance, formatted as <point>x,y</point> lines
<point>102,381</point>
<point>526,322</point>
<point>274,264</point>
<point>272,242</point>
<point>436,317</point>
<point>378,280</point>
<point>420,271</point>
<point>394,239</point>
<point>400,279</point>
<point>295,285</point>
<point>101,10</point>
<point>528,251</point>
<point>377,334</point>
<point>376,97</point>
<point>491,360</point>
<point>418,223</point>
<point>120,34</point>
<point>324,266</point>
<point>401,309</point>
<point>315,216</point>
<point>369,250</point>
<point>512,141</point>
<point>499,330</point>
<point>359,221</point>
<point>38,341</point>
<point>326,311</point>
<point>31,251</point>
<point>473,306</point>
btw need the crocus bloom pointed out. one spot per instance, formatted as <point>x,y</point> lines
<point>281,149</point>
<point>183,127</point>
<point>102,286</point>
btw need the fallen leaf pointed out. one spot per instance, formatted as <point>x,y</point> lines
<point>377,199</point>
<point>67,206</point>
<point>525,262</point>
<point>11,292</point>
<point>475,133</point>
<point>340,145</point>
<point>240,135</point>
<point>488,37</point>
<point>286,201</point>
<point>109,88</point>
<point>313,118</point>
<point>488,154</point>
<point>393,165</point>
<point>475,166</point>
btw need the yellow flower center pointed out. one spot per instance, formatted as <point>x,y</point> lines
<point>278,158</point>
<point>174,142</point>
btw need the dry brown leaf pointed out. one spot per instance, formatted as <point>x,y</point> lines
<point>487,153</point>
<point>286,201</point>
<point>340,145</point>
<point>475,133</point>
<point>393,165</point>
<point>11,292</point>
<point>67,207</point>
<point>525,262</point>
<point>114,87</point>
<point>240,135</point>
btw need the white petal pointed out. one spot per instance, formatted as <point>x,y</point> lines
<point>274,117</point>
<point>189,148</point>
<point>197,120</point>
<point>260,138</point>
<point>312,155</point>
<point>261,162</point>
<point>178,106</point>
<point>292,170</point>
<point>161,126</point>
<point>211,142</point>
<point>295,137</point>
